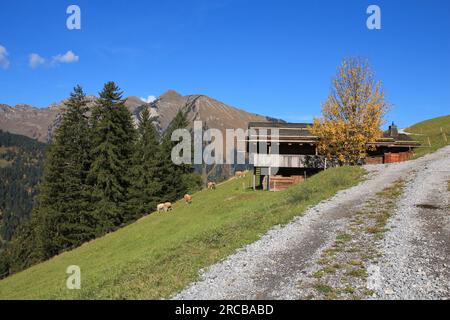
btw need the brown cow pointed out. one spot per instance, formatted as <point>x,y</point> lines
<point>187,198</point>
<point>168,206</point>
<point>239,174</point>
<point>211,185</point>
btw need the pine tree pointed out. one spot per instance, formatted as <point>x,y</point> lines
<point>177,179</point>
<point>146,188</point>
<point>61,212</point>
<point>113,137</point>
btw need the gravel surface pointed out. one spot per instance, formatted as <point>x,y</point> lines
<point>415,254</point>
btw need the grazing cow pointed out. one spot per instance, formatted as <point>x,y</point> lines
<point>239,174</point>
<point>168,206</point>
<point>187,198</point>
<point>211,185</point>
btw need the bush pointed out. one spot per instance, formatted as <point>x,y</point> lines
<point>4,265</point>
<point>192,182</point>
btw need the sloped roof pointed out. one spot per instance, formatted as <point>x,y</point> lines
<point>399,137</point>
<point>291,132</point>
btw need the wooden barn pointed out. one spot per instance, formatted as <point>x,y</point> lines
<point>286,153</point>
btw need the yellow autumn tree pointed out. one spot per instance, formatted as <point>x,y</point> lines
<point>352,115</point>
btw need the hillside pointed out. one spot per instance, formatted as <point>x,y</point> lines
<point>433,134</point>
<point>39,123</point>
<point>21,161</point>
<point>163,252</point>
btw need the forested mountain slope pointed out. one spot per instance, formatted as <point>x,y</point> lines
<point>21,160</point>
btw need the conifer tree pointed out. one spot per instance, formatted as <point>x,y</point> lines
<point>176,178</point>
<point>61,212</point>
<point>113,137</point>
<point>22,251</point>
<point>146,188</point>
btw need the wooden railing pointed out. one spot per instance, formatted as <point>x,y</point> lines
<point>288,161</point>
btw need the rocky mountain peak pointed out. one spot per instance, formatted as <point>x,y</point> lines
<point>171,94</point>
<point>39,123</point>
<point>24,107</point>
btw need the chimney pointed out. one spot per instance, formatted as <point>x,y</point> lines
<point>393,131</point>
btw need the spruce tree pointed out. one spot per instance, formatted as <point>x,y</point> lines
<point>176,178</point>
<point>146,190</point>
<point>61,211</point>
<point>113,137</point>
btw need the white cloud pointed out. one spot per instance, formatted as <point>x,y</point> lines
<point>4,62</point>
<point>68,57</point>
<point>149,99</point>
<point>35,60</point>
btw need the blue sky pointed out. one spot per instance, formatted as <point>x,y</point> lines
<point>270,57</point>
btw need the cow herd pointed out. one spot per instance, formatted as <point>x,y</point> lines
<point>167,206</point>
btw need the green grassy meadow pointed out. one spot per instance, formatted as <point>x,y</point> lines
<point>430,134</point>
<point>161,253</point>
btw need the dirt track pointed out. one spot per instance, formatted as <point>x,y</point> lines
<point>412,259</point>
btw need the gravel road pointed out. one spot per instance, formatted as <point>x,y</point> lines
<point>415,253</point>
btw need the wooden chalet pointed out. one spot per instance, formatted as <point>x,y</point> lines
<point>286,153</point>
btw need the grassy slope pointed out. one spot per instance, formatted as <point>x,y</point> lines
<point>431,129</point>
<point>162,253</point>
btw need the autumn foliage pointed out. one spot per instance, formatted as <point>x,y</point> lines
<point>352,115</point>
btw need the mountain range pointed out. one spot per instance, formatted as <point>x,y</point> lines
<point>40,123</point>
